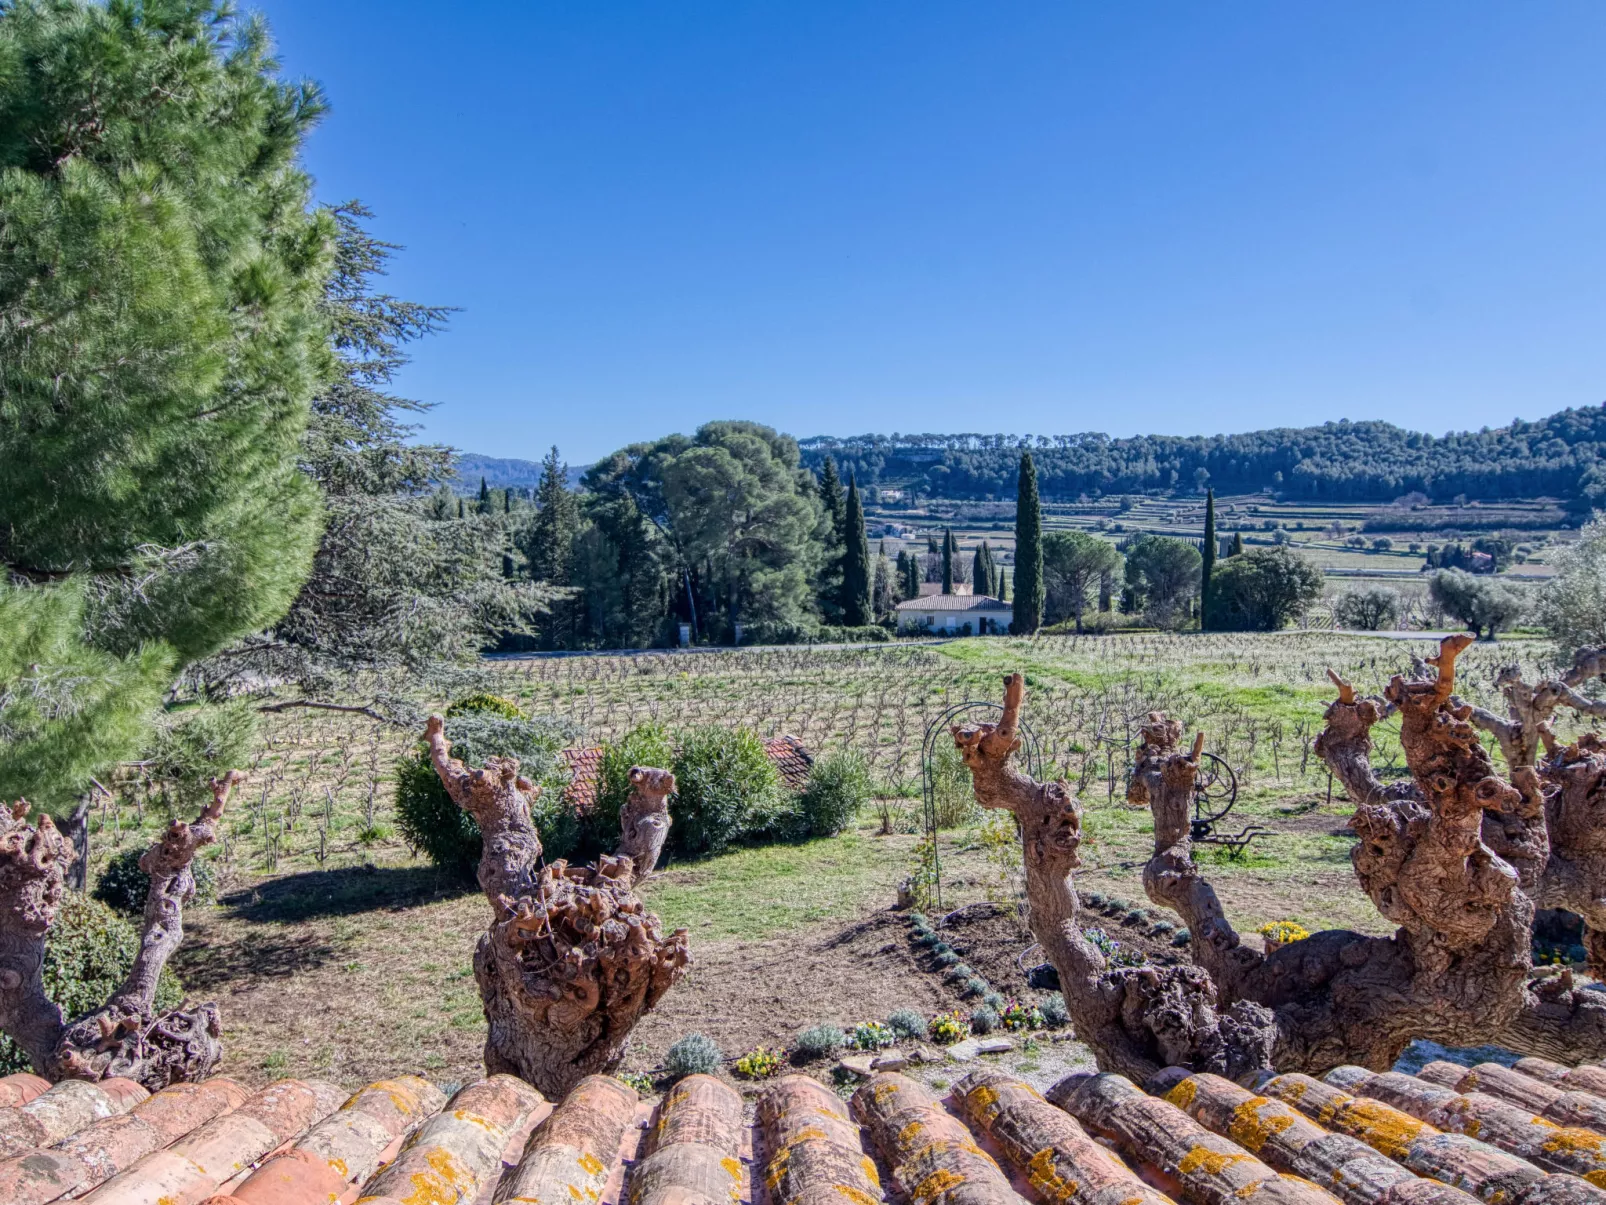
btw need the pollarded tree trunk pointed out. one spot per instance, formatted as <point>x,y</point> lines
<point>1567,869</point>
<point>125,1036</point>
<point>1457,969</point>
<point>572,959</point>
<point>1135,1019</point>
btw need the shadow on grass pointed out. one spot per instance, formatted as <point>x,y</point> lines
<point>346,892</point>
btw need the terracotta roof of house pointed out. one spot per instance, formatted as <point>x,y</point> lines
<point>789,754</point>
<point>1448,1135</point>
<point>954,602</point>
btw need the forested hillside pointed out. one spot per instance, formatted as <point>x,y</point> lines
<point>1341,461</point>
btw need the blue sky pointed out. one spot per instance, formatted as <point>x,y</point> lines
<point>1044,218</point>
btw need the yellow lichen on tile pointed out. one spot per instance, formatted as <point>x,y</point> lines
<point>1383,1128</point>
<point>1182,1095</point>
<point>939,1182</point>
<point>591,1164</point>
<point>1043,1174</point>
<point>1252,1131</point>
<point>1202,1158</point>
<point>857,1195</point>
<point>1573,1141</point>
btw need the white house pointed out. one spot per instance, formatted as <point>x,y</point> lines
<point>955,615</point>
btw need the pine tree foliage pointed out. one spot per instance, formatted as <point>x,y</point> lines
<point>160,339</point>
<point>736,524</point>
<point>1028,550</point>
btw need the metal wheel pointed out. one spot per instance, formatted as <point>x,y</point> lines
<point>1215,790</point>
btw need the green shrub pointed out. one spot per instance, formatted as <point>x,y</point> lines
<point>839,785</point>
<point>124,886</point>
<point>907,1023</point>
<point>643,745</point>
<point>89,951</point>
<point>818,1041</point>
<point>974,986</point>
<point>694,1054</point>
<point>479,728</point>
<point>984,1019</point>
<point>729,791</point>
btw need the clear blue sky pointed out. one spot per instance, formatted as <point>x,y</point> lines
<point>1047,218</point>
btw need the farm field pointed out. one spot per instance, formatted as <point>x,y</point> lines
<point>333,950</point>
<point>1310,526</point>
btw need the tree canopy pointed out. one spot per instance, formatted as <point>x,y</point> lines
<point>1563,456</point>
<point>161,336</point>
<point>1074,563</point>
<point>739,516</point>
<point>1262,590</point>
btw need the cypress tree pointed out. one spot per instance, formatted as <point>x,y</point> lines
<point>1209,566</point>
<point>833,532</point>
<point>981,570</point>
<point>485,498</point>
<point>1003,585</point>
<point>462,512</point>
<point>947,560</point>
<point>856,568</point>
<point>1028,551</point>
<point>1237,543</point>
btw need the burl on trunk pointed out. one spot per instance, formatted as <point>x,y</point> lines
<point>572,958</point>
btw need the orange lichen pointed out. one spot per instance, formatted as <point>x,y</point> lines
<point>1043,1174</point>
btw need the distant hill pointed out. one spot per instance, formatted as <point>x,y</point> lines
<point>500,472</point>
<point>1562,456</point>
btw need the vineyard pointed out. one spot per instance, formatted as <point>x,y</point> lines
<point>319,790</point>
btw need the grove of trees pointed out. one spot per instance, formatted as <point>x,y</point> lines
<point>1562,456</point>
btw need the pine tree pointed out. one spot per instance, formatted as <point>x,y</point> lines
<point>1209,552</point>
<point>856,568</point>
<point>160,342</point>
<point>1028,551</point>
<point>948,549</point>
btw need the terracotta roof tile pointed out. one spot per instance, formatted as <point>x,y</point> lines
<point>1354,1137</point>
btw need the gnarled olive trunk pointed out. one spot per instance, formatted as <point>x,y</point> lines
<point>1458,968</point>
<point>125,1036</point>
<point>572,959</point>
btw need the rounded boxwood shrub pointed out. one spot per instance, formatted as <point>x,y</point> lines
<point>88,952</point>
<point>729,791</point>
<point>694,1054</point>
<point>839,785</point>
<point>643,745</point>
<point>481,727</point>
<point>124,886</point>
